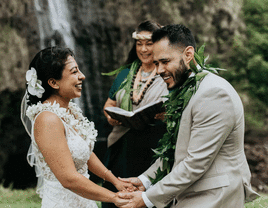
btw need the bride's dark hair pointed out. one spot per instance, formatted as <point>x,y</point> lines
<point>48,63</point>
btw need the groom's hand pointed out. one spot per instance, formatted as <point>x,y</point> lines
<point>135,182</point>
<point>135,199</point>
<point>125,186</point>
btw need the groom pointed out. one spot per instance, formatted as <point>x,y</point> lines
<point>210,169</point>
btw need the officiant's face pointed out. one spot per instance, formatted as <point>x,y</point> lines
<point>170,63</point>
<point>70,85</point>
<point>144,49</point>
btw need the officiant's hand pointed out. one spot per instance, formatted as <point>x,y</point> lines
<point>135,182</point>
<point>112,121</point>
<point>160,116</point>
<point>135,201</point>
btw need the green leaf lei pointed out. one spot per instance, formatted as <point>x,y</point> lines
<point>176,103</point>
<point>126,102</point>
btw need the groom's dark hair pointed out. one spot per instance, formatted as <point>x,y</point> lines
<point>177,34</point>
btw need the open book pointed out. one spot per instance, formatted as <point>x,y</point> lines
<point>137,119</point>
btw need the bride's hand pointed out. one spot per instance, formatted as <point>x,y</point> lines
<point>119,202</point>
<point>124,186</point>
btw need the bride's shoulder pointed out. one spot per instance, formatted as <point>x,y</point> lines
<point>47,116</point>
<point>48,120</point>
<point>46,124</point>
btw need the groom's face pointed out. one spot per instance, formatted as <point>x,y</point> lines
<point>169,63</point>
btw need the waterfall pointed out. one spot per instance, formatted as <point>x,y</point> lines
<point>57,27</point>
<point>60,21</point>
<point>54,19</point>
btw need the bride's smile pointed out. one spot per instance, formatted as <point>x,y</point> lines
<point>70,85</point>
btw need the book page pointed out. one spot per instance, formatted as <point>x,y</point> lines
<point>119,111</point>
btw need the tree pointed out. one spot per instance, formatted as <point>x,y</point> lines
<point>250,53</point>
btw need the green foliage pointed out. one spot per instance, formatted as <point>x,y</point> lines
<point>117,71</point>
<point>255,115</point>
<point>250,57</point>
<point>5,33</point>
<point>201,61</point>
<point>126,103</point>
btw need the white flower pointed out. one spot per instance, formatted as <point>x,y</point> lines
<point>61,112</point>
<point>74,122</point>
<point>34,84</point>
<point>73,118</point>
<point>138,36</point>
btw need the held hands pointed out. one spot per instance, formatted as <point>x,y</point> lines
<point>136,182</point>
<point>112,121</point>
<point>119,201</point>
<point>135,199</point>
<point>124,186</point>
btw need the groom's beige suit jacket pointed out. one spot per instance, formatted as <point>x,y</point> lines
<point>210,168</point>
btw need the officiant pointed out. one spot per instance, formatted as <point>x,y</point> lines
<point>129,150</point>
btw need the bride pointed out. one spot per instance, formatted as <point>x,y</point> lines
<point>62,138</point>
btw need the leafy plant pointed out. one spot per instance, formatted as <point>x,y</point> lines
<point>250,57</point>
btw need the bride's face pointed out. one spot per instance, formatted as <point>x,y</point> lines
<point>70,85</point>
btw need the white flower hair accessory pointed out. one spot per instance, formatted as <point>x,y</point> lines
<point>138,36</point>
<point>34,84</point>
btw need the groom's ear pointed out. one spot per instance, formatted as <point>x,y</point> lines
<point>188,54</point>
<point>53,83</point>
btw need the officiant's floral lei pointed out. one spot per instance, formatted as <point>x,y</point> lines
<point>73,117</point>
<point>176,103</point>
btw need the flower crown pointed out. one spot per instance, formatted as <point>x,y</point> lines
<point>138,36</point>
<point>34,84</point>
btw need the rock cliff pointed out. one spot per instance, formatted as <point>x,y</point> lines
<point>102,30</point>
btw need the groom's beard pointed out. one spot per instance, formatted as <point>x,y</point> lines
<point>181,75</point>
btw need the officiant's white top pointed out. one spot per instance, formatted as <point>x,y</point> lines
<point>80,136</point>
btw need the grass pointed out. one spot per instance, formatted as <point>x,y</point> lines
<point>261,202</point>
<point>29,199</point>
<point>19,198</point>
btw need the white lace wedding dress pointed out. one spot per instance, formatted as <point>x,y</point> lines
<point>51,191</point>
